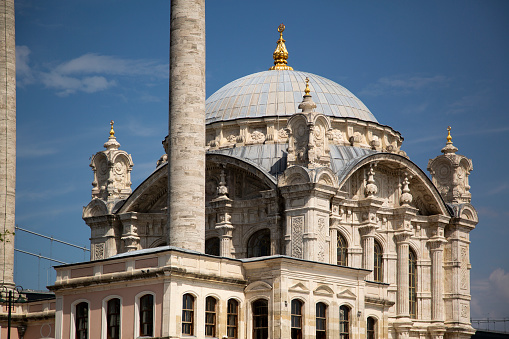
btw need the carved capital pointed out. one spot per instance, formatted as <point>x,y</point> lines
<point>402,237</point>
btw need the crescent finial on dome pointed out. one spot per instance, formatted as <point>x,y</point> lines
<point>280,55</point>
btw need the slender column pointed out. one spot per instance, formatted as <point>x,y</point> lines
<point>402,244</point>
<point>186,142</point>
<point>437,276</point>
<point>7,141</point>
<point>333,232</point>
<point>368,246</point>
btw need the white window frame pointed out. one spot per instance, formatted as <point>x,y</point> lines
<point>137,314</point>
<point>72,330</point>
<point>104,318</point>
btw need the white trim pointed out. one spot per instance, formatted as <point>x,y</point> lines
<point>137,313</point>
<point>104,314</point>
<point>72,329</point>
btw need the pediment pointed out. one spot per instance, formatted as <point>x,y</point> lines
<point>347,294</point>
<point>299,288</point>
<point>323,290</point>
<point>258,286</point>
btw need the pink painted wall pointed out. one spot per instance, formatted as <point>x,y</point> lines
<point>37,331</point>
<point>128,295</point>
<point>4,332</point>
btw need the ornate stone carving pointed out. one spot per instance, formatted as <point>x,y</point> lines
<point>464,268</point>
<point>98,251</point>
<point>449,173</point>
<point>297,234</point>
<point>406,197</point>
<point>371,188</point>
<point>321,239</point>
<point>257,137</point>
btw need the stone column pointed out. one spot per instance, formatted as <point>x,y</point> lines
<point>368,245</point>
<point>333,232</point>
<point>186,139</point>
<point>7,141</point>
<point>402,244</point>
<point>437,276</point>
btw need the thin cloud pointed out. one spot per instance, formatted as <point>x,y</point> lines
<point>89,73</point>
<point>460,134</point>
<point>43,195</point>
<point>490,297</point>
<point>403,84</point>
<point>467,102</point>
<point>24,74</point>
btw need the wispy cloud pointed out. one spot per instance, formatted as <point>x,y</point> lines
<point>88,73</point>
<point>490,297</point>
<point>487,131</point>
<point>42,195</point>
<point>404,84</point>
<point>467,102</point>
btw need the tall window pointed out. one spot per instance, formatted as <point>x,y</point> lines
<point>321,321</point>
<point>260,319</point>
<point>378,267</point>
<point>81,321</point>
<point>344,322</point>
<point>113,319</point>
<point>258,244</point>
<point>296,319</point>
<point>147,315</point>
<point>232,327</point>
<point>210,317</point>
<point>412,283</point>
<point>188,314</point>
<point>212,246</point>
<point>371,328</point>
<point>342,251</point>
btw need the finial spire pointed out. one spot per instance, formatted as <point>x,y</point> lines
<point>112,143</point>
<point>449,147</point>
<point>280,55</point>
<point>307,90</point>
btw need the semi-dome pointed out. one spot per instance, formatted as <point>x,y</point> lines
<point>278,93</point>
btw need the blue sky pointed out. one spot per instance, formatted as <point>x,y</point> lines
<point>418,66</point>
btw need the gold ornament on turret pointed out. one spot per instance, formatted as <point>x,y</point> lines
<point>280,55</point>
<point>449,138</point>
<point>112,132</point>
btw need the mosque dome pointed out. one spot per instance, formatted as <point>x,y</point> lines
<point>278,93</point>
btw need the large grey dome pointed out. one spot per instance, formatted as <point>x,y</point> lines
<point>279,92</point>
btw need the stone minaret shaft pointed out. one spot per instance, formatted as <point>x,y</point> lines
<point>7,140</point>
<point>186,142</point>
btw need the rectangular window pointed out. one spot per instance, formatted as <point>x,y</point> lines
<point>210,317</point>
<point>296,319</point>
<point>321,321</point>
<point>81,321</point>
<point>233,316</point>
<point>188,314</point>
<point>113,319</point>
<point>147,315</point>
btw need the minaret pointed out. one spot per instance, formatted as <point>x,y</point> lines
<point>186,135</point>
<point>7,141</point>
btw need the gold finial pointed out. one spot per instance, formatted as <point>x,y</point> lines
<point>112,132</point>
<point>449,138</point>
<point>307,90</point>
<point>280,55</point>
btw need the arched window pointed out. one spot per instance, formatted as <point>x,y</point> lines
<point>232,325</point>
<point>342,251</point>
<point>210,317</point>
<point>321,321</point>
<point>371,328</point>
<point>412,283</point>
<point>113,319</point>
<point>212,246</point>
<point>258,244</point>
<point>260,319</point>
<point>188,314</point>
<point>344,322</point>
<point>378,263</point>
<point>147,315</point>
<point>296,319</point>
<point>81,321</point>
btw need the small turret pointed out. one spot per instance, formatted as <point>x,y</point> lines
<point>449,173</point>
<point>112,171</point>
